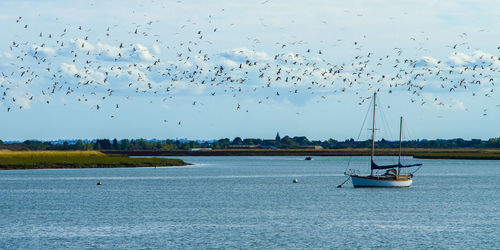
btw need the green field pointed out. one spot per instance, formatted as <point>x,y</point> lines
<point>77,159</point>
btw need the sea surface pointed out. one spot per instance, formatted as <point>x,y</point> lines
<point>251,202</point>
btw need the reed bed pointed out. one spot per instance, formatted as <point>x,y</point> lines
<point>76,159</point>
<point>5,153</point>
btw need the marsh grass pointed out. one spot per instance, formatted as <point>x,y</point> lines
<point>5,153</point>
<point>76,159</point>
<point>462,155</point>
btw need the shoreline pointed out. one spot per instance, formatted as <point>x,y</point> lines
<point>56,166</point>
<point>419,153</point>
<point>24,160</point>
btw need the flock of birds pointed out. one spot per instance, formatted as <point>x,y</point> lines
<point>92,68</point>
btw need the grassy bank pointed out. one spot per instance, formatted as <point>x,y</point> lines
<point>461,155</point>
<point>429,153</point>
<point>76,159</point>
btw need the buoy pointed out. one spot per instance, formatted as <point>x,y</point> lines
<point>295,181</point>
<point>99,183</point>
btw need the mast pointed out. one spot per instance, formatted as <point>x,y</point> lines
<point>400,135</point>
<point>373,132</point>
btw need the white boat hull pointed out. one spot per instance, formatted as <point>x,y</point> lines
<point>374,182</point>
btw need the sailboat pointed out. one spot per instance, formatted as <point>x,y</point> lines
<point>392,176</point>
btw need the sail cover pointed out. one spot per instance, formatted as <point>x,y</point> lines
<point>399,165</point>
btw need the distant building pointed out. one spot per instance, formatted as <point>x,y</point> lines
<point>200,149</point>
<point>278,138</point>
<point>311,147</point>
<point>244,146</point>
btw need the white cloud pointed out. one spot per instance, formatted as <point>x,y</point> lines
<point>8,55</point>
<point>143,52</point>
<point>426,61</point>
<point>241,55</point>
<point>73,74</point>
<point>69,68</point>
<point>156,49</point>
<point>460,59</point>
<point>230,63</point>
<point>108,52</point>
<point>82,44</point>
<point>457,104</point>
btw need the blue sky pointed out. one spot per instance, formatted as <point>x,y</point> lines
<point>152,69</point>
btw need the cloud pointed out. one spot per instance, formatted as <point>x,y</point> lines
<point>69,68</point>
<point>8,55</point>
<point>458,104</point>
<point>42,51</point>
<point>142,52</point>
<point>82,44</point>
<point>156,49</point>
<point>85,77</point>
<point>426,61</point>
<point>108,52</point>
<point>460,59</point>
<point>478,58</point>
<point>242,55</point>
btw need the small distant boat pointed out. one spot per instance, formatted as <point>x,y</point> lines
<point>308,158</point>
<point>295,181</point>
<point>392,176</point>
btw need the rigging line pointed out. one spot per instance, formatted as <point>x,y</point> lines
<point>407,130</point>
<point>360,130</point>
<point>410,136</point>
<point>385,122</point>
<point>416,170</point>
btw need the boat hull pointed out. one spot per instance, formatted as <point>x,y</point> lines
<point>369,181</point>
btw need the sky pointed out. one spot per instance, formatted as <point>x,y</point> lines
<point>205,70</point>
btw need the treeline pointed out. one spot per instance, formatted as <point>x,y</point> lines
<point>284,143</point>
<point>105,144</point>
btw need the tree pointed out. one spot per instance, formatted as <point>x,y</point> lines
<point>124,144</point>
<point>237,141</point>
<point>288,142</point>
<point>79,145</point>
<point>301,140</point>
<point>103,144</point>
<point>222,143</point>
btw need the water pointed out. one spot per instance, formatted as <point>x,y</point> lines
<point>250,202</point>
